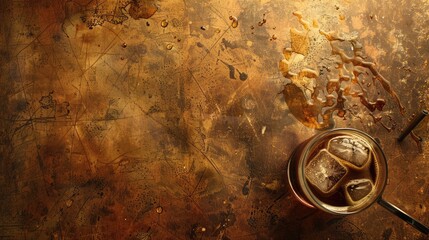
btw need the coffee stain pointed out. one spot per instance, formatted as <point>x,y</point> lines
<point>357,61</point>
<point>307,113</point>
<point>391,126</point>
<point>97,13</point>
<point>242,75</point>
<point>246,189</point>
<point>418,140</point>
<point>234,21</point>
<point>326,70</point>
<point>142,9</point>
<point>376,119</point>
<point>263,21</point>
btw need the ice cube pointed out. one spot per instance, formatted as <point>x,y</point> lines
<point>324,171</point>
<point>352,150</point>
<point>357,189</point>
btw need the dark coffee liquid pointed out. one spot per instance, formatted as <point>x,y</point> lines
<point>338,198</point>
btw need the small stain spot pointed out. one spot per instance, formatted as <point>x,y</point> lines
<point>159,209</point>
<point>56,37</point>
<point>69,203</point>
<point>245,190</point>
<point>164,23</point>
<point>234,22</point>
<point>243,76</point>
<point>387,233</point>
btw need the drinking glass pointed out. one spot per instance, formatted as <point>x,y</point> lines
<point>330,157</point>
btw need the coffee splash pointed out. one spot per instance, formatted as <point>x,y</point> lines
<point>327,70</point>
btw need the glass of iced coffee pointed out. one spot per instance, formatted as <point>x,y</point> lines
<point>342,171</point>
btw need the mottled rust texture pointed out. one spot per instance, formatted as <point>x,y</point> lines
<point>134,119</point>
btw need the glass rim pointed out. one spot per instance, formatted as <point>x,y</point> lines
<point>314,200</point>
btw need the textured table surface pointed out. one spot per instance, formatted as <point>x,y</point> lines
<point>133,119</point>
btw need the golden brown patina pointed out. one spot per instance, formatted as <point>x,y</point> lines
<point>173,119</point>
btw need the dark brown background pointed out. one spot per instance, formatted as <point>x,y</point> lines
<point>170,119</point>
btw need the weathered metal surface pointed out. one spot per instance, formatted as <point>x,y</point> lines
<point>175,119</point>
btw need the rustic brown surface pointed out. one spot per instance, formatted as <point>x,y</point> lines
<point>134,119</point>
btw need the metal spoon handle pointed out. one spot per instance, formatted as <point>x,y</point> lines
<point>403,215</point>
<point>413,124</point>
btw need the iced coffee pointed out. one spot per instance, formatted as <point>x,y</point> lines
<point>341,171</point>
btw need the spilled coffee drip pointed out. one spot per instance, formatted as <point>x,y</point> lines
<point>326,71</point>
